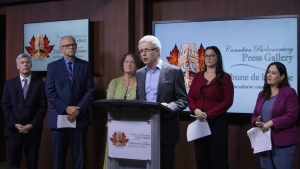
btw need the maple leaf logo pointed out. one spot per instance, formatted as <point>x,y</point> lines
<point>39,47</point>
<point>174,55</point>
<point>119,139</point>
<point>30,49</point>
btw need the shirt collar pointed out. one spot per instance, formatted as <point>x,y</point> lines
<point>66,61</point>
<point>158,66</point>
<point>28,78</point>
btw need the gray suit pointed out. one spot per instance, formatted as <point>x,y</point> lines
<point>171,90</point>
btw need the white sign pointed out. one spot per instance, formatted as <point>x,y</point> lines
<point>129,140</point>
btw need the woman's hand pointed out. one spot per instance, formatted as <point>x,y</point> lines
<point>265,127</point>
<point>200,114</point>
<point>258,122</point>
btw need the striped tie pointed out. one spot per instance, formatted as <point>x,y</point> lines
<point>70,70</point>
<point>25,88</point>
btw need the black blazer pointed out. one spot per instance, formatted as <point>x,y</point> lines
<point>171,90</point>
<point>16,110</point>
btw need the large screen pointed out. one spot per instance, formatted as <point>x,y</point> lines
<point>248,46</point>
<point>42,40</point>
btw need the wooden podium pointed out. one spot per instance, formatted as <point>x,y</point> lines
<point>133,111</point>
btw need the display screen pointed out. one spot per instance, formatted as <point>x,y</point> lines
<point>247,45</point>
<point>42,40</point>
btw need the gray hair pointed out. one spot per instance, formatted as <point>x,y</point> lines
<point>152,39</point>
<point>23,55</point>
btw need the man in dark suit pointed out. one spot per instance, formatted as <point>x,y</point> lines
<point>163,83</point>
<point>24,106</point>
<point>70,90</point>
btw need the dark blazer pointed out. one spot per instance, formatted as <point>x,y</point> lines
<point>61,93</point>
<point>171,90</point>
<point>285,113</point>
<point>16,110</point>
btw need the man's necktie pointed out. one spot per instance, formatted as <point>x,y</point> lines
<point>25,88</point>
<point>70,70</point>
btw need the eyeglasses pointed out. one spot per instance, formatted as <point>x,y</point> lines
<point>69,45</point>
<point>146,50</point>
<point>210,56</point>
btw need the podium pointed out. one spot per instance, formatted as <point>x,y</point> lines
<point>133,133</point>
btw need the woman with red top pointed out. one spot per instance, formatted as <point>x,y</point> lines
<point>277,109</point>
<point>210,96</point>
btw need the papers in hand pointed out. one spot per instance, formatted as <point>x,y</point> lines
<point>197,129</point>
<point>260,141</point>
<point>63,122</point>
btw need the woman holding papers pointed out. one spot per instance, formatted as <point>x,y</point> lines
<point>123,87</point>
<point>210,96</point>
<point>277,109</point>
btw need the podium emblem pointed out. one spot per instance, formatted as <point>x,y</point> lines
<point>119,139</point>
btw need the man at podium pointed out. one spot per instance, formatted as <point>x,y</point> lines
<point>163,83</point>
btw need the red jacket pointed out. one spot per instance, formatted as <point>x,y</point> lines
<point>218,98</point>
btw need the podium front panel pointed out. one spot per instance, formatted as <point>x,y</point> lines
<point>144,114</point>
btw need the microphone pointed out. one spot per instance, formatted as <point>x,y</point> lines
<point>128,94</point>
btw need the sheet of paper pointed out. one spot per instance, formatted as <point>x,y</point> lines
<point>260,141</point>
<point>63,122</point>
<point>197,129</point>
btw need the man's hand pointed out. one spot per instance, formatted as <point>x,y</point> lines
<point>71,118</point>
<point>167,105</point>
<point>73,112</point>
<point>19,127</point>
<point>23,129</point>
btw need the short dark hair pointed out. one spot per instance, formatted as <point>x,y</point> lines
<point>135,57</point>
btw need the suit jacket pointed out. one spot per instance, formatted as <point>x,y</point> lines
<point>16,110</point>
<point>285,113</point>
<point>171,90</point>
<point>61,93</point>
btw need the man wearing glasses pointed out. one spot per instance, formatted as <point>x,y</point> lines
<point>163,83</point>
<point>70,90</point>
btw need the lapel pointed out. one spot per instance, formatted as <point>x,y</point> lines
<point>18,86</point>
<point>30,87</point>
<point>62,69</point>
<point>277,101</point>
<point>142,77</point>
<point>260,104</point>
<point>162,77</point>
<point>76,67</point>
